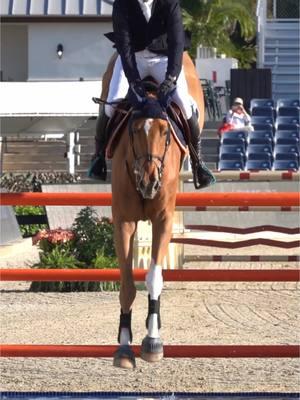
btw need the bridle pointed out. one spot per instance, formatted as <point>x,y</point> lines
<point>140,160</point>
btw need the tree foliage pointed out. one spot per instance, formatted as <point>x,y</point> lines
<point>216,23</point>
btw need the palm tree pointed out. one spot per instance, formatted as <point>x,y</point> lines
<point>214,22</point>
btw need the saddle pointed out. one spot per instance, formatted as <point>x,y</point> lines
<point>179,126</point>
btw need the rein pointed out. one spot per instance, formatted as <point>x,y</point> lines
<point>138,166</point>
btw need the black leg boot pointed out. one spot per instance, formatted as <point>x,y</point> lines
<point>203,177</point>
<point>98,169</point>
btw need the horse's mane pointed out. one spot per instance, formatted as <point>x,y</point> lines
<point>150,109</point>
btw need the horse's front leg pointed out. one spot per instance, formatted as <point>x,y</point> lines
<point>124,235</point>
<point>152,345</point>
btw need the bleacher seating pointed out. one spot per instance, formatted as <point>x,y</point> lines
<point>289,140</point>
<point>261,141</point>
<point>261,103</point>
<point>234,141</point>
<point>259,148</point>
<point>263,112</point>
<point>227,165</point>
<point>232,149</point>
<point>286,149</point>
<point>260,157</point>
<point>254,165</point>
<point>262,120</point>
<point>287,123</point>
<point>287,103</point>
<point>238,134</point>
<point>263,127</point>
<point>233,157</point>
<point>274,142</point>
<point>283,165</point>
<point>288,112</point>
<point>260,134</point>
<point>261,123</point>
<point>287,156</point>
<point>287,134</point>
<point>232,152</point>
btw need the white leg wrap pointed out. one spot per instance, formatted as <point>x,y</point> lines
<point>154,281</point>
<point>153,330</point>
<point>154,284</point>
<point>124,337</point>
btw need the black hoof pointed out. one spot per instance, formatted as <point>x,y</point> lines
<point>152,349</point>
<point>124,358</point>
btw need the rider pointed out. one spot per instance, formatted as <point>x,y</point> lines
<point>150,40</point>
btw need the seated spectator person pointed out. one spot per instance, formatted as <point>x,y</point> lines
<point>237,116</point>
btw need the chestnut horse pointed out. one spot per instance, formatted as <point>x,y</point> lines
<point>145,171</point>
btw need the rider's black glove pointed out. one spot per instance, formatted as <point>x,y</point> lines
<point>165,91</point>
<point>137,93</point>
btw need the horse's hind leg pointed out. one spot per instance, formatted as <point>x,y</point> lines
<point>124,235</point>
<point>152,346</point>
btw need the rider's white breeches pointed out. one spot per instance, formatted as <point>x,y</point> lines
<point>148,64</point>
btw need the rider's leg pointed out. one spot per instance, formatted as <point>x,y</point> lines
<point>118,89</point>
<point>203,177</point>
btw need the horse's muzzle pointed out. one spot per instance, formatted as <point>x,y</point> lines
<point>149,190</point>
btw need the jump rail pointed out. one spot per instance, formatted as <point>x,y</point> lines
<point>240,199</point>
<point>244,231</point>
<point>257,176</point>
<point>240,258</point>
<point>238,244</point>
<point>246,200</point>
<point>238,209</point>
<point>52,275</point>
<point>286,351</point>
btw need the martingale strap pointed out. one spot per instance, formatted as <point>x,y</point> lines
<point>125,322</point>
<point>153,308</point>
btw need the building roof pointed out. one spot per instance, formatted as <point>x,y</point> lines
<point>51,107</point>
<point>73,98</point>
<point>55,8</point>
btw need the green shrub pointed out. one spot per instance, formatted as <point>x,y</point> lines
<point>103,262</point>
<point>32,229</point>
<point>92,236</point>
<point>57,258</point>
<point>57,252</point>
<point>88,245</point>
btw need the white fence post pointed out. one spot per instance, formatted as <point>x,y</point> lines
<point>71,152</point>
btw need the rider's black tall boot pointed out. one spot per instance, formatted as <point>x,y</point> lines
<point>203,177</point>
<point>98,169</point>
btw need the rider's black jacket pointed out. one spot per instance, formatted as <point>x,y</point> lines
<point>163,34</point>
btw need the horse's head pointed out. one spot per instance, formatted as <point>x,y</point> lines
<point>149,132</point>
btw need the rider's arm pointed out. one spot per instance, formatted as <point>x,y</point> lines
<point>247,117</point>
<point>175,38</point>
<point>123,41</point>
<point>229,117</point>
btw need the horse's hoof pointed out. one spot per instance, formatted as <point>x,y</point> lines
<point>152,349</point>
<point>124,358</point>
